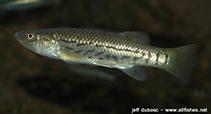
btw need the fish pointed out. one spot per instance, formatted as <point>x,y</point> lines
<point>128,51</point>
<point>21,4</point>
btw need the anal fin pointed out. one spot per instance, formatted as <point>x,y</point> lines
<point>137,72</point>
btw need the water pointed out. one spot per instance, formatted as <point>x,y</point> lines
<point>30,83</point>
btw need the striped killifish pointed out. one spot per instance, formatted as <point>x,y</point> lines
<point>127,51</point>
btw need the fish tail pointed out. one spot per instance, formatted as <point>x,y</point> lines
<point>181,61</point>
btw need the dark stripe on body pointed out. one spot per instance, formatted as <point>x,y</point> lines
<point>166,59</point>
<point>88,51</point>
<point>107,57</point>
<point>114,57</point>
<point>125,57</point>
<point>136,59</point>
<point>97,45</point>
<point>149,56</point>
<point>118,49</point>
<point>81,44</point>
<point>99,53</point>
<point>136,51</point>
<point>157,55</point>
<point>70,48</point>
<point>78,51</point>
<point>101,58</point>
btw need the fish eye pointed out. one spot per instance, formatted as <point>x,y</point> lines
<point>30,36</point>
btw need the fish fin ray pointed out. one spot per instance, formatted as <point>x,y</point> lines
<point>137,36</point>
<point>183,64</point>
<point>137,72</point>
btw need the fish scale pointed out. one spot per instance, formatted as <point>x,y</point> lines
<point>127,51</point>
<point>97,43</point>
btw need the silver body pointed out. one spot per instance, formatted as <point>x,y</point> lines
<point>127,51</point>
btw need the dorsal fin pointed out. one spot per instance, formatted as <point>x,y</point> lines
<point>137,36</point>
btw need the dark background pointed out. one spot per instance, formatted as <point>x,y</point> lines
<point>31,84</point>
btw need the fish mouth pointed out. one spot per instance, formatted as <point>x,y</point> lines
<point>23,41</point>
<point>18,36</point>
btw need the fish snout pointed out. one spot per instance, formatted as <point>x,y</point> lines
<point>16,34</point>
<point>19,36</point>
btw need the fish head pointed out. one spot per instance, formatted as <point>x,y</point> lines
<point>39,42</point>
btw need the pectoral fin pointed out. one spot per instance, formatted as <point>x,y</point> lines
<point>137,72</point>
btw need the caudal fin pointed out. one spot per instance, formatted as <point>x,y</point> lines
<point>181,63</point>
